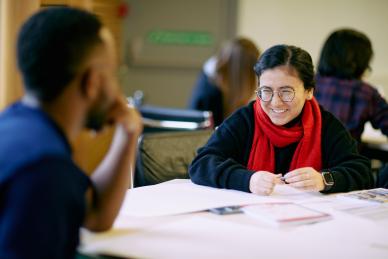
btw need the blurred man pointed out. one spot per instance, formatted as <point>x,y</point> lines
<point>67,60</point>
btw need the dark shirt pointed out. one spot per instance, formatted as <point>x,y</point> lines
<point>207,96</point>
<point>382,177</point>
<point>222,161</point>
<point>354,103</point>
<point>42,191</point>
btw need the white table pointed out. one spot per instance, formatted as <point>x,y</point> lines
<point>206,235</point>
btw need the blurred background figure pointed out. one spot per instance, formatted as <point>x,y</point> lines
<point>344,59</point>
<point>227,81</point>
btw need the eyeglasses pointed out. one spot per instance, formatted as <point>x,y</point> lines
<point>265,94</point>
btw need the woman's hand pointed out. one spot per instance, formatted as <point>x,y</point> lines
<point>306,178</point>
<point>263,182</point>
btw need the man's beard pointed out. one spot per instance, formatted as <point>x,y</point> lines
<point>98,114</point>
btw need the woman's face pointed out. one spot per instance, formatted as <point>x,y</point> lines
<point>286,80</point>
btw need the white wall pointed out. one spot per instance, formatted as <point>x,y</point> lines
<point>307,23</point>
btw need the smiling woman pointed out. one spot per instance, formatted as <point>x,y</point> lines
<point>289,102</point>
<point>282,137</point>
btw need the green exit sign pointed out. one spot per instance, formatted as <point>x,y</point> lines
<point>165,37</point>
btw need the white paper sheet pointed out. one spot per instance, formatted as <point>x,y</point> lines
<point>294,194</point>
<point>214,237</point>
<point>183,196</point>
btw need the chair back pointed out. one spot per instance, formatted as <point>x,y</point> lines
<point>157,119</point>
<point>167,155</point>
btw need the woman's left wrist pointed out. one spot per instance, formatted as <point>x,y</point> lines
<point>328,180</point>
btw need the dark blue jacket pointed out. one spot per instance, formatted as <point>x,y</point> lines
<point>41,190</point>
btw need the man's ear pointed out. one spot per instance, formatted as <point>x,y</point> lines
<point>89,83</point>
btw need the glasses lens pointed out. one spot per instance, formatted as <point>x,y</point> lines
<point>287,95</point>
<point>265,94</point>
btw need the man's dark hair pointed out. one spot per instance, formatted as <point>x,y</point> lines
<point>346,54</point>
<point>291,56</point>
<point>51,47</point>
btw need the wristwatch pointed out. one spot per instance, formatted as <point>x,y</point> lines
<point>328,180</point>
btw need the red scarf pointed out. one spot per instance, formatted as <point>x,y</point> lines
<point>268,135</point>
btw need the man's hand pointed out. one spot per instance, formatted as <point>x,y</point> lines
<point>113,176</point>
<point>126,116</point>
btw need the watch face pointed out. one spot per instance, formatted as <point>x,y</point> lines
<point>328,178</point>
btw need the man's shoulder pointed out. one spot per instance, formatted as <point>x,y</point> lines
<point>24,128</point>
<point>26,137</point>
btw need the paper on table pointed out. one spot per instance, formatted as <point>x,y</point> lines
<point>183,197</point>
<point>204,237</point>
<point>285,214</point>
<point>286,191</point>
<point>379,195</point>
<point>360,206</point>
<point>193,237</point>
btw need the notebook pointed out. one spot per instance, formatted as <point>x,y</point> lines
<point>285,214</point>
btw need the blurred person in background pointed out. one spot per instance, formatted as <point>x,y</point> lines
<point>227,81</point>
<point>344,60</point>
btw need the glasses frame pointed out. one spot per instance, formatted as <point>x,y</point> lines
<point>273,92</point>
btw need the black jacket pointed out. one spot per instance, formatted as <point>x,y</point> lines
<point>207,96</point>
<point>222,161</point>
